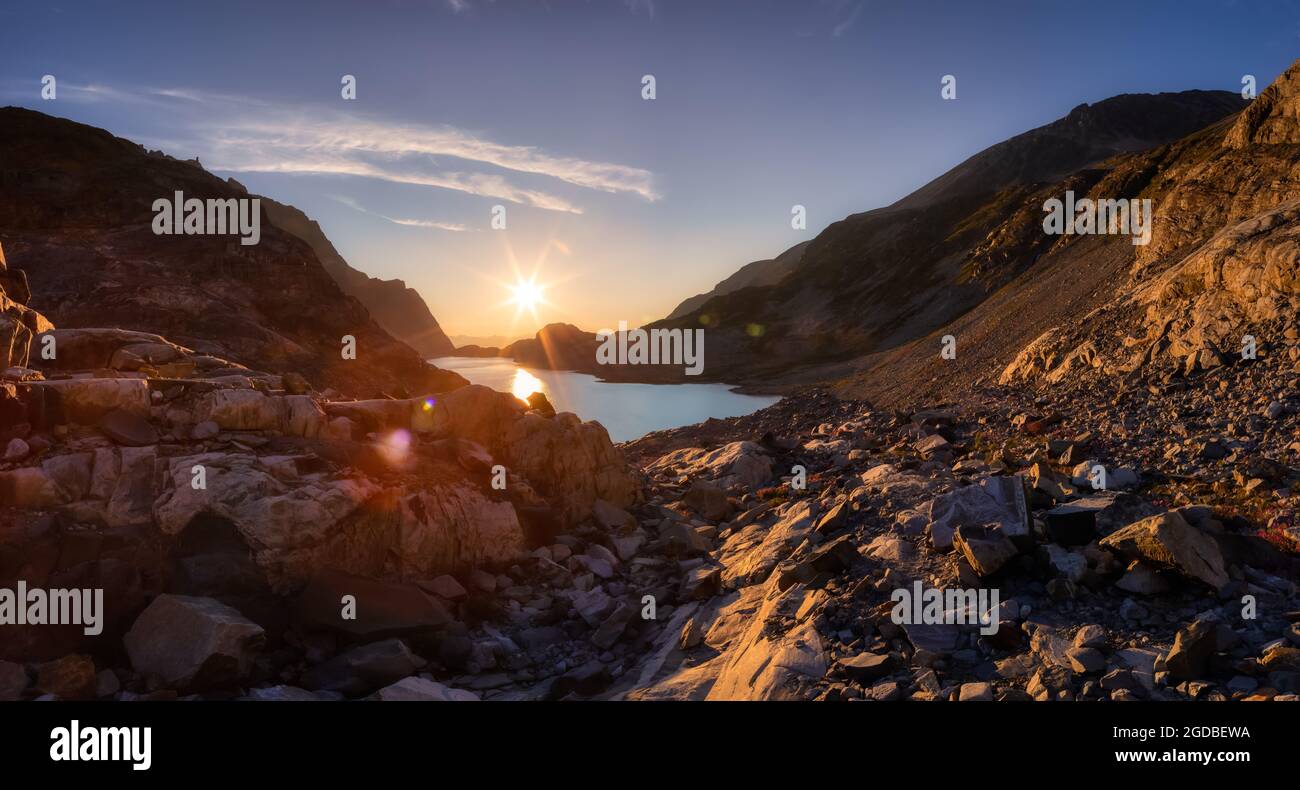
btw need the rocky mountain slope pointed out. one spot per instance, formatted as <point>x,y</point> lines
<point>884,277</point>
<point>1220,266</point>
<point>399,310</point>
<point>77,208</point>
<point>765,272</point>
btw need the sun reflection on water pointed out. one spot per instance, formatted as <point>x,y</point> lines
<point>525,384</point>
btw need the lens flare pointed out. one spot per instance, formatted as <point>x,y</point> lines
<point>395,447</point>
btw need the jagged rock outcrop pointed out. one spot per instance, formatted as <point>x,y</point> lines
<point>1244,281</point>
<point>18,323</point>
<point>1221,274</point>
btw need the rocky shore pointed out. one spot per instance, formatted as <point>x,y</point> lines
<point>257,539</point>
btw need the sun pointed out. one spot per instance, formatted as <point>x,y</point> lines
<point>527,295</point>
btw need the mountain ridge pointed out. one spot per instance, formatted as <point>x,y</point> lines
<point>77,203</point>
<point>399,309</point>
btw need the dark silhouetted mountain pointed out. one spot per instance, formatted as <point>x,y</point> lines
<point>76,218</point>
<point>398,309</point>
<point>764,272</point>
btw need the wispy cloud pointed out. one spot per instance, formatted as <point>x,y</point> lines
<point>338,143</point>
<point>240,135</point>
<point>635,6</point>
<point>415,223</point>
<point>844,26</point>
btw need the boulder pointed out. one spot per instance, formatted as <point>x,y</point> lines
<point>70,678</point>
<point>612,517</point>
<point>986,548</point>
<point>998,500</point>
<point>364,669</point>
<point>193,643</point>
<point>98,347</point>
<point>1071,526</point>
<point>700,583</point>
<point>417,689</point>
<point>16,450</point>
<point>707,500</point>
<point>735,464</point>
<point>128,429</point>
<point>445,586</point>
<point>382,609</point>
<point>867,667</point>
<point>613,626</point>
<point>250,410</point>
<point>71,474</point>
<point>1191,651</point>
<point>1167,540</point>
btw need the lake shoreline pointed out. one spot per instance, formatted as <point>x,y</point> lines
<point>627,410</point>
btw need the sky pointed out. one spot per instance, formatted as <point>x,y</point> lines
<point>619,206</point>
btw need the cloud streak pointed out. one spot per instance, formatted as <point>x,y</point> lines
<point>346,145</point>
<point>240,135</point>
<point>843,27</point>
<point>415,223</point>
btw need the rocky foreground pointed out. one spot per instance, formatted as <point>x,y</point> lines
<point>258,539</point>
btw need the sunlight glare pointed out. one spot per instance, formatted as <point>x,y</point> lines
<point>525,384</point>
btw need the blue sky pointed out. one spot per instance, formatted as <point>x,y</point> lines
<point>623,206</point>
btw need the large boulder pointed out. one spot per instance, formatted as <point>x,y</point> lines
<point>743,464</point>
<point>999,500</point>
<point>985,547</point>
<point>415,689</point>
<point>569,462</point>
<point>364,669</point>
<point>380,610</point>
<point>1167,540</point>
<point>193,643</point>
